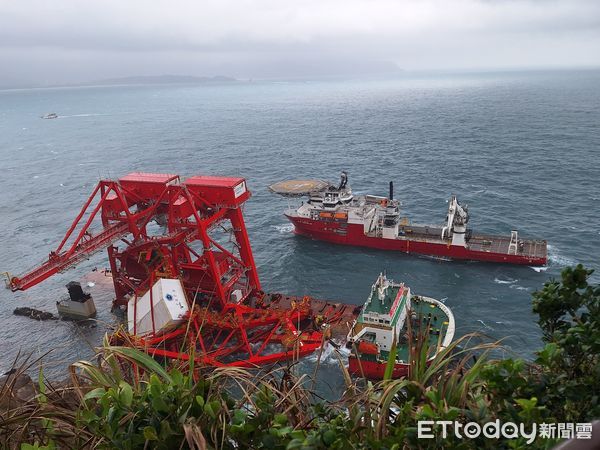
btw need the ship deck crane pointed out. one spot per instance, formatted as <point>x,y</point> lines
<point>456,222</point>
<point>224,324</point>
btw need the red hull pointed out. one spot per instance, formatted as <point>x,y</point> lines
<point>374,370</point>
<point>352,234</point>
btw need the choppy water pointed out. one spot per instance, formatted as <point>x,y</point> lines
<point>520,148</point>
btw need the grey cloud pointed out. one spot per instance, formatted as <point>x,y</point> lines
<point>70,40</point>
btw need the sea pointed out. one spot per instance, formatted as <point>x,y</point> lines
<point>521,149</point>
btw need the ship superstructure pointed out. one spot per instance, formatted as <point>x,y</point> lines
<point>334,214</point>
<point>389,323</point>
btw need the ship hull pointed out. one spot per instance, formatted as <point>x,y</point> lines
<point>374,370</point>
<point>353,234</point>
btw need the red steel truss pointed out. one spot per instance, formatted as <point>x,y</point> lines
<point>231,321</point>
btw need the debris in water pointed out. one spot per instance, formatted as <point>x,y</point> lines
<point>34,313</point>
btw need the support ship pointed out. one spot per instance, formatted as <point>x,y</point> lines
<point>335,215</point>
<point>391,325</point>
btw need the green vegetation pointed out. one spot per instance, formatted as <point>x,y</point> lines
<point>129,401</point>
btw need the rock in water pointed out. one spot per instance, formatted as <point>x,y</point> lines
<point>34,313</point>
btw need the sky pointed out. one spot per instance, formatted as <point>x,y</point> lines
<point>45,42</point>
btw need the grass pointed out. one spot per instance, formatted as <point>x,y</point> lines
<point>126,399</point>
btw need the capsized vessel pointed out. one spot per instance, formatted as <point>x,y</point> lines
<point>390,321</point>
<point>335,215</point>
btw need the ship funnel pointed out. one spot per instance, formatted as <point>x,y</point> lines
<point>391,190</point>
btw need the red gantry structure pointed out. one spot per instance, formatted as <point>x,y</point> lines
<point>159,227</point>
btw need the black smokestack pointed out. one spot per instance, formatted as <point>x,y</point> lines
<point>391,190</point>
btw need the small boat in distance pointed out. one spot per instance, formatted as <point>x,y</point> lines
<point>335,215</point>
<point>50,116</point>
<point>391,320</point>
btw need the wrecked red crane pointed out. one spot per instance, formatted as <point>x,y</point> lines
<point>160,229</point>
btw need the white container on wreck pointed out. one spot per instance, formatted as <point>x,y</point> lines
<point>169,305</point>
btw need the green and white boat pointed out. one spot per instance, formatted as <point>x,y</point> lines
<point>390,320</point>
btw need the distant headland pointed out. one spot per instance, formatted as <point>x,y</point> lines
<point>159,79</point>
<point>127,81</point>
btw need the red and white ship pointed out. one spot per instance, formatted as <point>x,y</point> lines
<point>335,215</point>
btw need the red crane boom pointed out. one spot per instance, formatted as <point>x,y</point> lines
<point>230,321</point>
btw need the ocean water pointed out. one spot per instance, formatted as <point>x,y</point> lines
<point>521,149</point>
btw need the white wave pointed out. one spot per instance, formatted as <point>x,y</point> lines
<point>344,351</point>
<point>495,193</point>
<point>91,284</point>
<point>443,300</point>
<point>519,288</point>
<point>539,269</point>
<point>507,281</point>
<point>555,258</point>
<point>485,324</point>
<point>284,229</point>
<point>328,354</point>
<point>83,115</point>
<point>436,258</point>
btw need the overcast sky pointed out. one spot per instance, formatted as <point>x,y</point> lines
<point>60,41</point>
